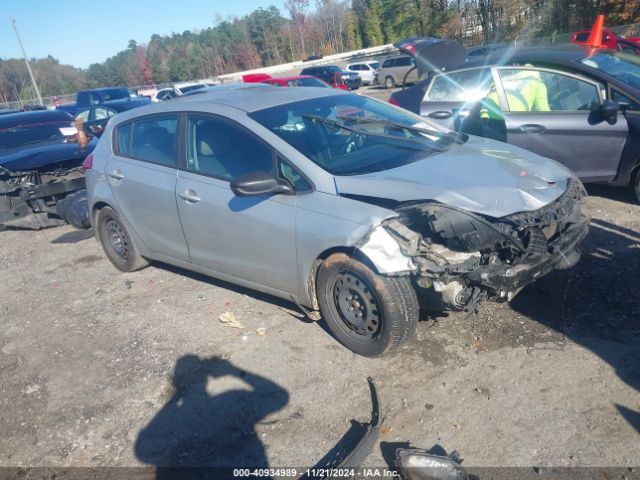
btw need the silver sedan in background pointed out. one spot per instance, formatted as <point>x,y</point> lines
<point>352,208</point>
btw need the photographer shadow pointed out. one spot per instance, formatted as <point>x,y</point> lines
<point>197,434</point>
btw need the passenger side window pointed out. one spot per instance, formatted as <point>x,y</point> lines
<point>529,90</point>
<point>150,139</point>
<point>465,86</point>
<point>221,149</point>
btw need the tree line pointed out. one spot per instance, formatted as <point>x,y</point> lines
<point>269,36</point>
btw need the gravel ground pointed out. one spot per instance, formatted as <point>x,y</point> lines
<point>97,366</point>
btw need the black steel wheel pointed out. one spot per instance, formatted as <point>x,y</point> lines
<point>368,313</point>
<point>117,242</point>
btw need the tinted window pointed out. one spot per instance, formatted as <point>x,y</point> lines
<point>389,63</point>
<point>306,82</point>
<point>375,65</point>
<point>465,86</point>
<point>582,37</point>
<point>532,90</point>
<point>150,139</point>
<point>221,149</point>
<point>403,62</point>
<point>114,94</point>
<point>191,88</point>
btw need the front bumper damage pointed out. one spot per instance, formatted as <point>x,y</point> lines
<point>467,257</point>
<point>29,198</point>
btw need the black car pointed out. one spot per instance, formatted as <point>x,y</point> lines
<point>334,76</point>
<point>575,105</point>
<point>94,119</point>
<point>40,167</point>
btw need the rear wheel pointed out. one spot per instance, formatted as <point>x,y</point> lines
<point>389,82</point>
<point>368,313</point>
<point>117,242</point>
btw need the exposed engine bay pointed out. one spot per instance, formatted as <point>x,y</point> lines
<point>37,191</point>
<point>467,257</point>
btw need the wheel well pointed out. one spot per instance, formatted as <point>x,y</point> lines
<point>351,252</point>
<point>96,208</point>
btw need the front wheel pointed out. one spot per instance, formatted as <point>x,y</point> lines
<point>368,313</point>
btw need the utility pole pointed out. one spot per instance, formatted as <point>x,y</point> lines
<point>26,60</point>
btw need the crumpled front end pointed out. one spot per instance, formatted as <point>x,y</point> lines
<point>29,198</point>
<point>467,257</point>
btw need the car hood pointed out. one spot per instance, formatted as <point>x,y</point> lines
<point>38,155</point>
<point>482,176</point>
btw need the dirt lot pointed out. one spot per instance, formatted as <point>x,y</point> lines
<point>96,366</point>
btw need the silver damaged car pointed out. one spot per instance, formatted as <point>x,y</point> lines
<point>350,207</point>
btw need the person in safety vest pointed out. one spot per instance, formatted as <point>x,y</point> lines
<point>525,92</point>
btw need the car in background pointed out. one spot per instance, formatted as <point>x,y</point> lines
<point>609,39</point>
<point>576,105</point>
<point>338,202</point>
<point>94,119</point>
<point>108,96</point>
<point>483,50</point>
<point>366,69</point>
<point>176,90</point>
<point>331,74</point>
<point>297,81</point>
<point>40,167</point>
<point>393,71</point>
<point>352,80</point>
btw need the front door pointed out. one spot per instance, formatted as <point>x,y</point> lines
<point>250,238</point>
<point>142,175</point>
<point>550,113</point>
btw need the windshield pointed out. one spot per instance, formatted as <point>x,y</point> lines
<point>622,66</point>
<point>21,135</point>
<point>191,88</point>
<point>352,134</point>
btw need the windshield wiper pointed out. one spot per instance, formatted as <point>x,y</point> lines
<point>454,136</point>
<point>411,142</point>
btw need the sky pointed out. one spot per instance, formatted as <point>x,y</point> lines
<point>81,32</point>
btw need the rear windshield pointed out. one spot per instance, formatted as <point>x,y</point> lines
<point>306,82</point>
<point>115,94</point>
<point>21,135</point>
<point>353,134</point>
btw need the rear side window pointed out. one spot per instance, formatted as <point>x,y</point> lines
<point>389,63</point>
<point>403,62</point>
<point>152,139</point>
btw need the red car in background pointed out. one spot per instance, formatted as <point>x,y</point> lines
<point>295,81</point>
<point>609,39</point>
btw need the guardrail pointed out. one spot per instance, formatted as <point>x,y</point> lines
<point>285,67</point>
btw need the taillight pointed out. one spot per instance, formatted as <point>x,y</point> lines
<point>393,101</point>
<point>88,162</point>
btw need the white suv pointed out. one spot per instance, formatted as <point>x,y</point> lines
<point>366,70</point>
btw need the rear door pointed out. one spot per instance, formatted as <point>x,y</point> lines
<point>142,174</point>
<point>250,238</point>
<point>550,113</point>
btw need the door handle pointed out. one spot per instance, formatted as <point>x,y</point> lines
<point>441,114</point>
<point>531,128</point>
<point>189,196</point>
<point>117,174</point>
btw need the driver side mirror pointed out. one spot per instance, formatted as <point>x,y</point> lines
<point>609,110</point>
<point>259,183</point>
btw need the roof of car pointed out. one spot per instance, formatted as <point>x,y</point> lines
<point>294,77</point>
<point>565,54</point>
<point>38,116</point>
<point>248,97</point>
